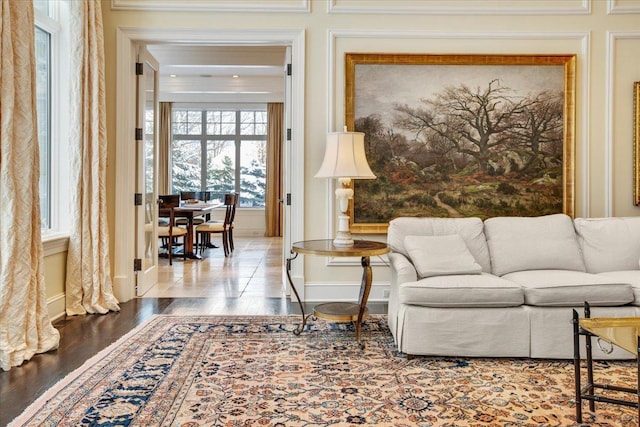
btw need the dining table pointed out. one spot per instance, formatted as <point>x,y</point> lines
<point>190,210</point>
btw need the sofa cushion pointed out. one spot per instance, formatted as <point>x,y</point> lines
<point>470,229</point>
<point>631,277</point>
<point>532,243</point>
<point>563,288</point>
<point>440,255</point>
<point>609,244</point>
<point>478,290</point>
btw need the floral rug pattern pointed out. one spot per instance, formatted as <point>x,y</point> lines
<point>253,371</point>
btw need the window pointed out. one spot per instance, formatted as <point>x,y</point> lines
<point>220,151</point>
<point>43,102</point>
<point>51,40</point>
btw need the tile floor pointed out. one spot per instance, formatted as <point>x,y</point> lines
<point>254,269</point>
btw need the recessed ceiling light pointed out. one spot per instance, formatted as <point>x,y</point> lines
<point>172,75</point>
<point>235,76</point>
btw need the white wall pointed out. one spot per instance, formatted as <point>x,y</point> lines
<point>605,36</point>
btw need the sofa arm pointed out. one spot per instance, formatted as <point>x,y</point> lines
<point>402,270</point>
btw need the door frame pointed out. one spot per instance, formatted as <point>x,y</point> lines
<point>126,40</point>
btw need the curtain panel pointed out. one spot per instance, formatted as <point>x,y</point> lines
<point>25,327</point>
<point>274,190</point>
<point>88,285</point>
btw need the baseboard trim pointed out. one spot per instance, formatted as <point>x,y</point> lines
<point>56,306</point>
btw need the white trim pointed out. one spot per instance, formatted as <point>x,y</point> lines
<point>431,8</point>
<point>297,6</point>
<point>613,8</point>
<point>609,152</point>
<point>56,306</point>
<point>374,261</point>
<point>126,38</point>
<point>583,69</point>
<point>55,243</point>
<point>325,292</point>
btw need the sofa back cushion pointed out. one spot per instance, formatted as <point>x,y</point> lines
<point>609,244</point>
<point>470,229</point>
<point>532,243</point>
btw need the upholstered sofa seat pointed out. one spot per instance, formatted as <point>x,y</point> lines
<point>471,290</point>
<point>566,288</point>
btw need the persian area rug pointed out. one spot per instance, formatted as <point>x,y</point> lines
<point>253,371</point>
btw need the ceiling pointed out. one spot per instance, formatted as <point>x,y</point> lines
<point>197,73</point>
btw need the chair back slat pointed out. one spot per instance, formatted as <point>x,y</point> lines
<point>169,201</point>
<point>229,201</point>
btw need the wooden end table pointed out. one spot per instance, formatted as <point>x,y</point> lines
<point>623,332</point>
<point>339,311</point>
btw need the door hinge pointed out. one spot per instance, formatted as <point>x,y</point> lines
<point>288,199</point>
<point>137,264</point>
<point>139,69</point>
<point>138,134</point>
<point>137,199</point>
<point>289,69</point>
<point>289,134</point>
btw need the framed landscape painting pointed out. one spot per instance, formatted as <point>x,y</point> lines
<point>462,135</point>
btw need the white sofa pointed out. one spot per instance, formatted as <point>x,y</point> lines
<point>507,287</point>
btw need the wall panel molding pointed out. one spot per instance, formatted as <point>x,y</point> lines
<point>582,69</point>
<point>610,73</point>
<point>280,6</point>
<point>460,7</point>
<point>623,7</point>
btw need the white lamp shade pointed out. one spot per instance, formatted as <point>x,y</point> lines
<point>344,157</point>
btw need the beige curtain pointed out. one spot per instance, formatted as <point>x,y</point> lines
<point>25,327</point>
<point>165,143</point>
<point>275,137</point>
<point>88,286</point>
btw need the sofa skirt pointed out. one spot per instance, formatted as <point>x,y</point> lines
<point>552,331</point>
<point>471,332</point>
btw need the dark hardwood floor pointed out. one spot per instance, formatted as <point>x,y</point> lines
<point>81,337</point>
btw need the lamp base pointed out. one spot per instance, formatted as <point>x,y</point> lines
<point>343,235</point>
<point>341,241</point>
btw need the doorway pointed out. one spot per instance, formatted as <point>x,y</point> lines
<point>124,278</point>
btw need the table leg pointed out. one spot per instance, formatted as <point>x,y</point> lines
<point>365,288</point>
<point>300,327</point>
<point>576,366</point>
<point>591,388</point>
<point>188,245</point>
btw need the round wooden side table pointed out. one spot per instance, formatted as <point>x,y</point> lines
<point>339,311</point>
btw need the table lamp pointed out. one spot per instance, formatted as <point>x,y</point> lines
<point>344,159</point>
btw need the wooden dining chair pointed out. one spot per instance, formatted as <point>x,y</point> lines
<point>204,231</point>
<point>190,195</point>
<point>170,231</point>
<point>231,222</point>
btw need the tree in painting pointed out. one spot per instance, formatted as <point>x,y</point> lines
<point>483,151</point>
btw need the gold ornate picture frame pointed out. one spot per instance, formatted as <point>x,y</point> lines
<point>636,143</point>
<point>461,135</point>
